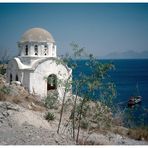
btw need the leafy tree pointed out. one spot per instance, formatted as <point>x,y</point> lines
<point>67,86</point>
<point>95,85</point>
<point>88,86</point>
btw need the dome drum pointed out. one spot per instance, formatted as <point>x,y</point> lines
<point>37,42</point>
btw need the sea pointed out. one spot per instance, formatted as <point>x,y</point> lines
<point>131,78</point>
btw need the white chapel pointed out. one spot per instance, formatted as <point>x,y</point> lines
<point>36,63</point>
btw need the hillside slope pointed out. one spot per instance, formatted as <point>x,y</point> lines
<point>22,122</point>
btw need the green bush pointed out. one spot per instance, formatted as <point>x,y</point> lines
<point>84,124</point>
<point>5,90</point>
<point>93,112</point>
<point>51,101</point>
<point>2,70</point>
<point>49,116</point>
<point>4,93</point>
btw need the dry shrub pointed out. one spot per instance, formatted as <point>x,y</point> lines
<point>3,97</point>
<point>29,98</point>
<point>120,130</point>
<point>38,108</point>
<point>4,93</point>
<point>10,98</point>
<point>16,100</point>
<point>28,101</point>
<point>139,133</point>
<point>35,107</point>
<point>35,104</point>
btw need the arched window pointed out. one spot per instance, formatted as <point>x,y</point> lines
<point>26,50</point>
<point>52,82</point>
<point>36,49</point>
<point>53,50</point>
<point>45,49</point>
<point>10,78</point>
<point>16,78</point>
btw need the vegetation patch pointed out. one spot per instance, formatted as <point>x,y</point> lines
<point>49,116</point>
<point>4,93</point>
<point>5,90</point>
<point>139,133</point>
<point>51,101</point>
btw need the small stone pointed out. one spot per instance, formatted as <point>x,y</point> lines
<point>123,142</point>
<point>1,121</point>
<point>56,141</point>
<point>1,116</point>
<point>142,139</point>
<point>5,114</point>
<point>11,107</point>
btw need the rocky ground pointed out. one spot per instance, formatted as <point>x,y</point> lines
<point>21,126</point>
<point>22,122</point>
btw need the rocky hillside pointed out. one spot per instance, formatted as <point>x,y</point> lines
<point>21,126</point>
<point>22,122</point>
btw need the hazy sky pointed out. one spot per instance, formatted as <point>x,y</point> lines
<point>101,28</point>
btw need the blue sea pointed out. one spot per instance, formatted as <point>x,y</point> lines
<point>131,78</point>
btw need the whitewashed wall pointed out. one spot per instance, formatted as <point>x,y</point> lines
<point>38,78</point>
<point>12,69</point>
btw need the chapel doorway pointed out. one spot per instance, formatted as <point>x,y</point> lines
<point>52,82</point>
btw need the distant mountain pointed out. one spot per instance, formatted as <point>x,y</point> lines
<point>127,55</point>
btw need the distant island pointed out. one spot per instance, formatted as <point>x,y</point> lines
<point>130,54</point>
